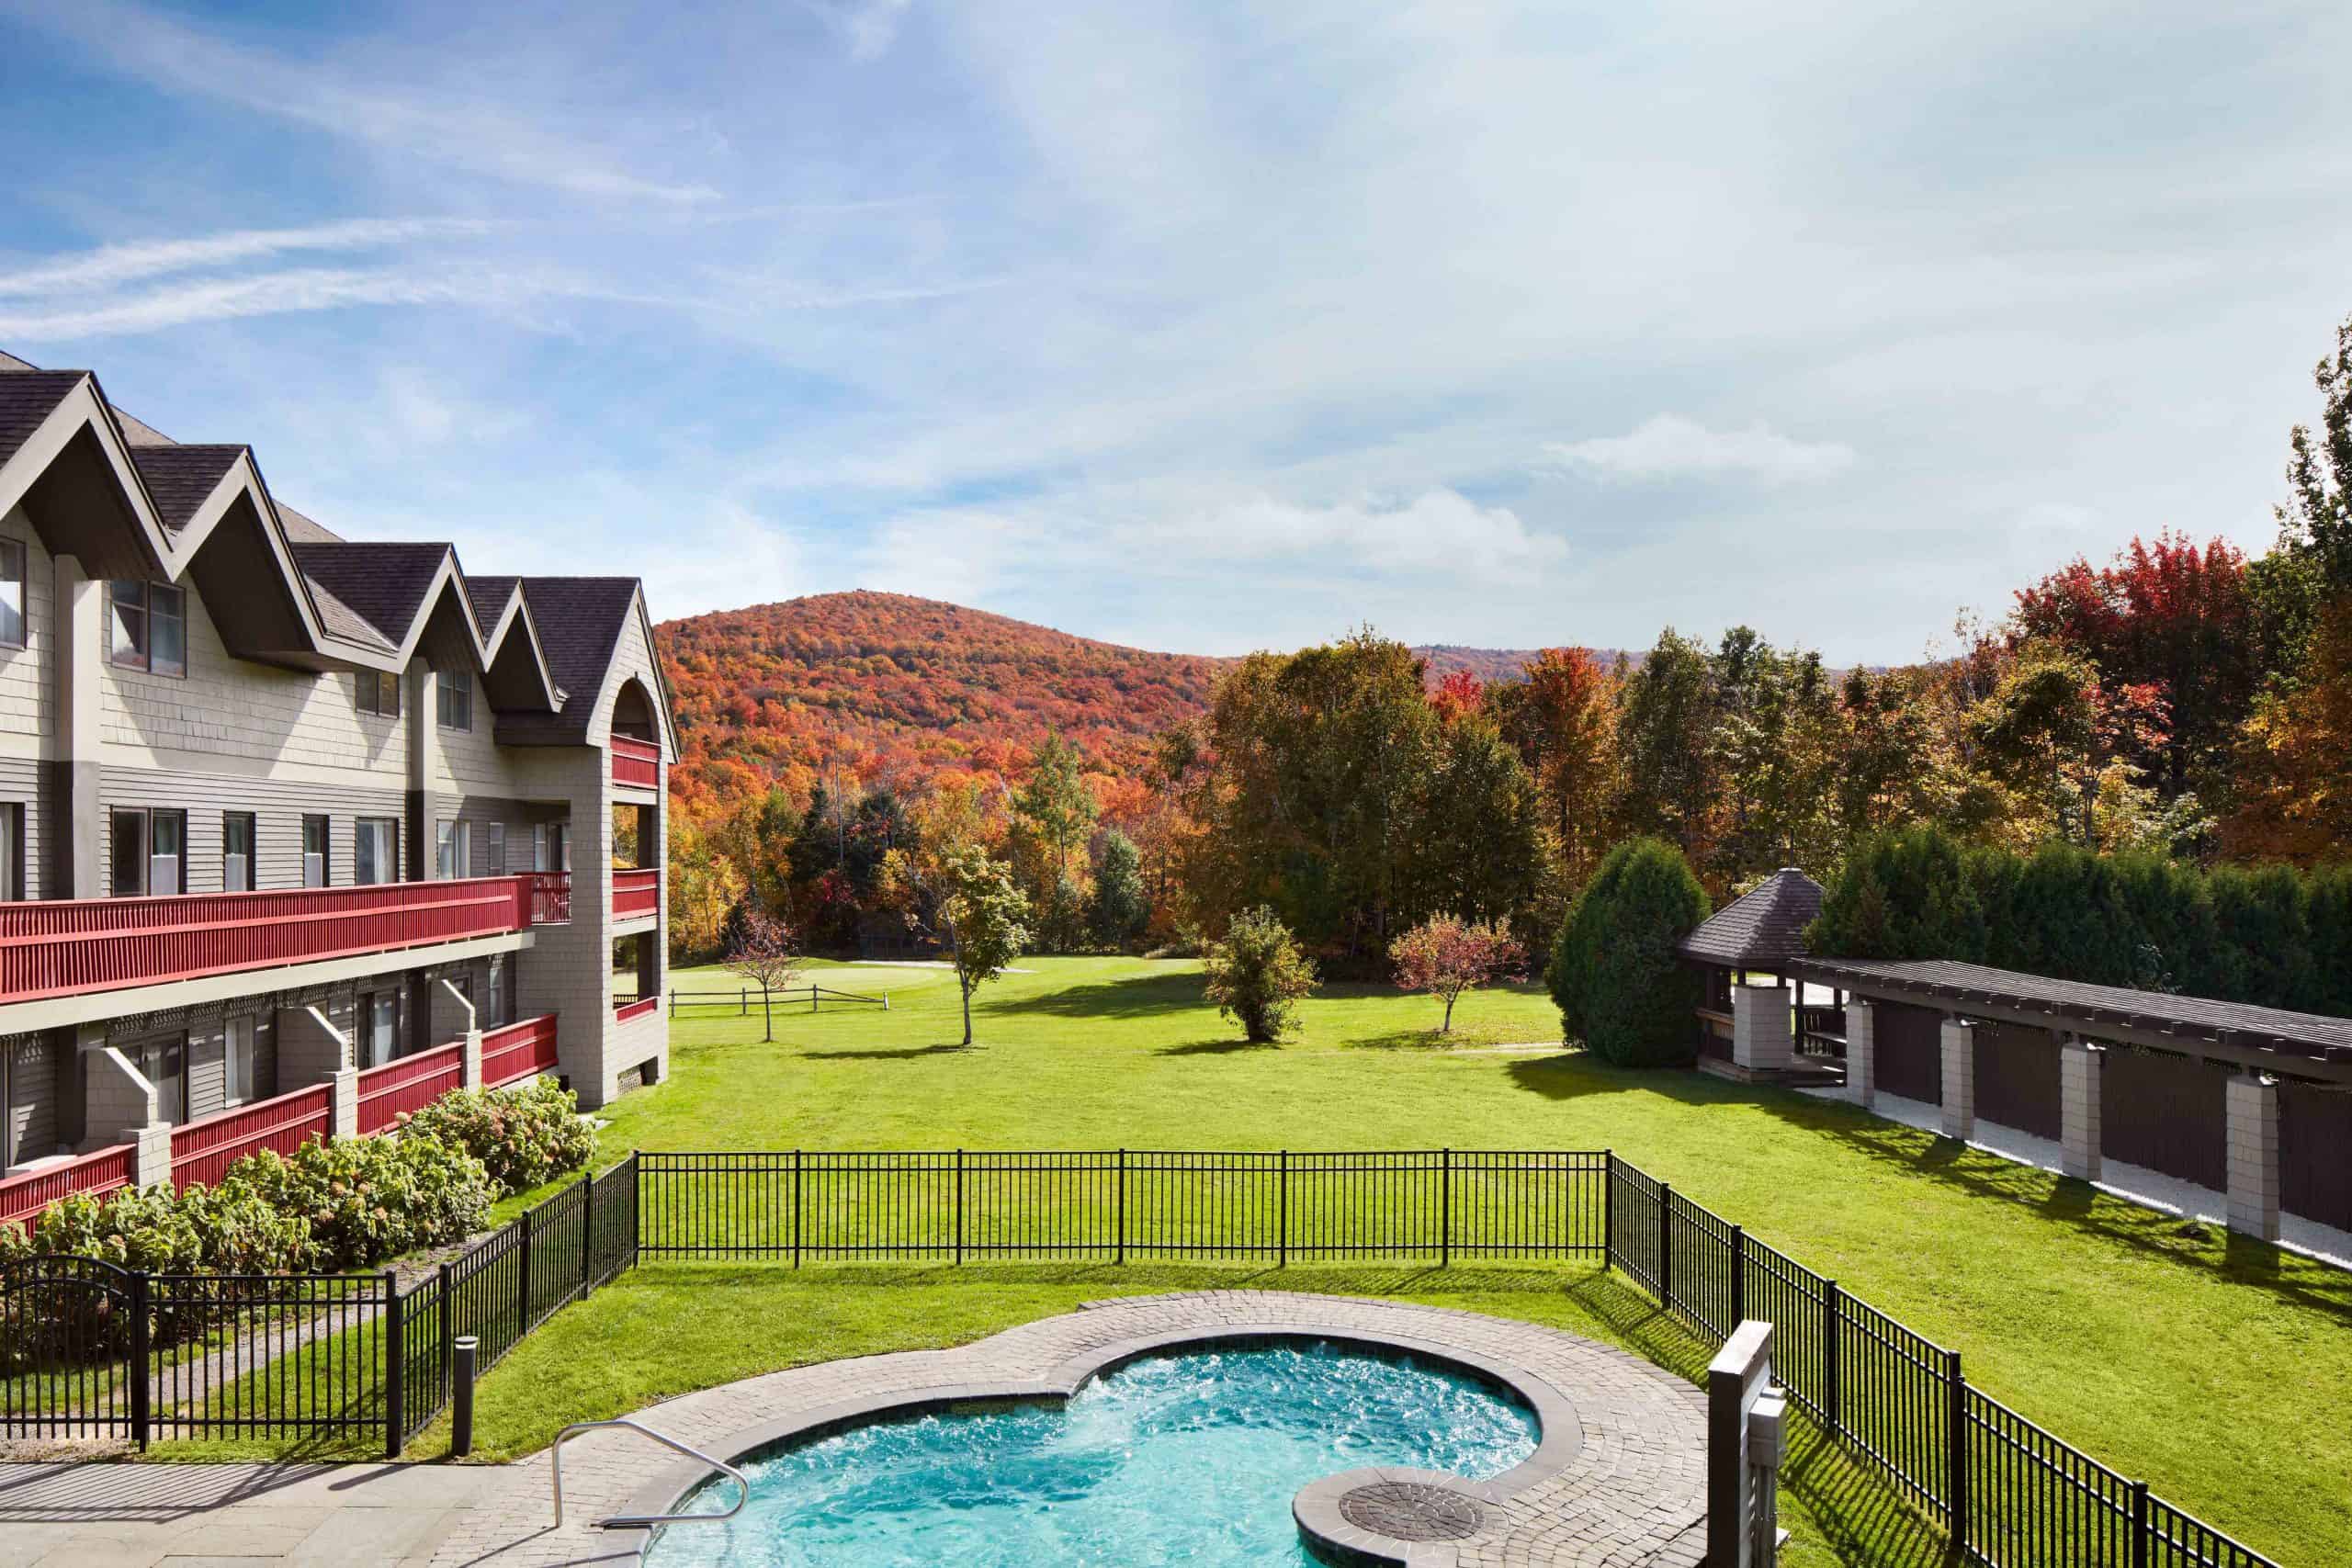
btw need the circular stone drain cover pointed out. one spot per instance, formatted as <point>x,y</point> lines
<point>1407,1510</point>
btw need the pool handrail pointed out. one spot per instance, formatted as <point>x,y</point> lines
<point>646,1522</point>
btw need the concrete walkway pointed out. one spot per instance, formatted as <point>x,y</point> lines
<point>192,1516</point>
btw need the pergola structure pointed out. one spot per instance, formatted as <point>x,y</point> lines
<point>2254,1101</point>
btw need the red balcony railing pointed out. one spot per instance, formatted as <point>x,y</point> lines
<point>636,891</point>
<point>204,1150</point>
<point>637,764</point>
<point>67,947</point>
<point>625,1011</point>
<point>519,1050</point>
<point>409,1083</point>
<point>22,1198</point>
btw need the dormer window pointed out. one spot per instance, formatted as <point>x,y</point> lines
<point>12,592</point>
<point>147,629</point>
<point>378,693</point>
<point>457,688</point>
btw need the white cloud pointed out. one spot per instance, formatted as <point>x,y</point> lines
<point>278,293</point>
<point>111,264</point>
<point>867,27</point>
<point>1439,533</point>
<point>1669,446</point>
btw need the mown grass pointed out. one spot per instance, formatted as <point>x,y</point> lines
<point>2214,1369</point>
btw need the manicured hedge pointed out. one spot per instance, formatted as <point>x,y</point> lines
<point>1614,973</point>
<point>2268,935</point>
<point>523,1137</point>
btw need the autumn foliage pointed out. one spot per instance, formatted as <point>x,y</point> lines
<point>1446,955</point>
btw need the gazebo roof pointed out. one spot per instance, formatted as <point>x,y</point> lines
<point>1763,929</point>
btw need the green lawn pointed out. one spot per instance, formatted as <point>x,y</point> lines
<point>2217,1370</point>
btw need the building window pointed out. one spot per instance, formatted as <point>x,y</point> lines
<point>498,849</point>
<point>376,692</point>
<point>314,851</point>
<point>148,627</point>
<point>376,856</point>
<point>457,688</point>
<point>237,852</point>
<point>499,1004</point>
<point>379,1027</point>
<point>12,849</point>
<point>551,847</point>
<point>454,850</point>
<point>237,1061</point>
<point>150,849</point>
<point>163,1063</point>
<point>12,592</point>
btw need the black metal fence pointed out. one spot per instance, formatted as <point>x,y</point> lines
<point>88,1350</point>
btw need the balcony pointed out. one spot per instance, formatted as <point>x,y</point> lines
<point>636,892</point>
<point>65,948</point>
<point>636,764</point>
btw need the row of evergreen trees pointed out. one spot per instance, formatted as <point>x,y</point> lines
<point>2268,935</point>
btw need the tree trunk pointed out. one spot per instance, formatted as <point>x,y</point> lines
<point>1449,1015</point>
<point>966,986</point>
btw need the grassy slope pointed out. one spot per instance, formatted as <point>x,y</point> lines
<point>2217,1370</point>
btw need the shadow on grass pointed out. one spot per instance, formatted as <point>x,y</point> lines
<point>889,1053</point>
<point>1216,1047</point>
<point>1131,995</point>
<point>2062,1200</point>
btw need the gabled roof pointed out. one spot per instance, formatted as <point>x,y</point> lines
<point>285,589</point>
<point>182,479</point>
<point>1763,929</point>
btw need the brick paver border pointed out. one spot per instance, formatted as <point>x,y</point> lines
<point>1617,1480</point>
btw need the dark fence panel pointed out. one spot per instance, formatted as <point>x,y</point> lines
<point>2017,1078</point>
<point>2166,1112</point>
<point>1910,1051</point>
<point>2315,1153</point>
<point>264,1355</point>
<point>67,1347</point>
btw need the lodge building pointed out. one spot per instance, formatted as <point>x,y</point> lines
<point>296,832</point>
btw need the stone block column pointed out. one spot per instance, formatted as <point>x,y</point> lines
<point>150,1157</point>
<point>1762,1037</point>
<point>2079,1083</point>
<point>1960,1079</point>
<point>2254,1156</point>
<point>311,1049</point>
<point>1861,1054</point>
<point>343,1104</point>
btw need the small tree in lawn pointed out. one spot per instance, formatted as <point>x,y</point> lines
<point>985,920</point>
<point>1257,974</point>
<point>1446,955</point>
<point>762,952</point>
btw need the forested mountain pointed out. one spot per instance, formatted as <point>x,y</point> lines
<point>889,689</point>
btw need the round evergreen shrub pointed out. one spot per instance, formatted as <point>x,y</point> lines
<point>1614,973</point>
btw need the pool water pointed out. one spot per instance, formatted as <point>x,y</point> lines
<point>1180,1459</point>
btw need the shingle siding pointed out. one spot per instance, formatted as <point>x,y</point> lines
<point>27,700</point>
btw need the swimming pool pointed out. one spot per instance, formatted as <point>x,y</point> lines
<point>1192,1457</point>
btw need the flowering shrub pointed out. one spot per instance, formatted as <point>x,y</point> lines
<point>369,1199</point>
<point>523,1136</point>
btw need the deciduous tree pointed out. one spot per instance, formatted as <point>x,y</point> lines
<point>1256,975</point>
<point>1446,955</point>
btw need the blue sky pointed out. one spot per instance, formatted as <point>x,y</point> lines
<point>1207,328</point>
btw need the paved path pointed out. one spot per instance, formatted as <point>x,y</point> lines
<point>1628,1493</point>
<point>190,1515</point>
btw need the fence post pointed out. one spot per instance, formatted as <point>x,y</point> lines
<point>139,1369</point>
<point>1608,1209</point>
<point>2141,1532</point>
<point>1739,1279</point>
<point>1666,1243</point>
<point>812,997</point>
<point>395,1381</point>
<point>796,1208</point>
<point>1831,1311</point>
<point>448,1383</point>
<point>1956,1454</point>
<point>636,1206</point>
<point>588,1231</point>
<point>1446,1208</point>
<point>1120,1219</point>
<point>959,1208</point>
<point>1282,1215</point>
<point>523,1278</point>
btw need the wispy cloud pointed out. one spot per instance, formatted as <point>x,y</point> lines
<point>282,293</point>
<point>464,130</point>
<point>112,265</point>
<point>867,27</point>
<point>1669,446</point>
